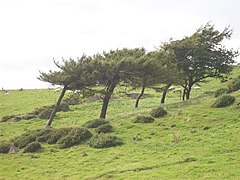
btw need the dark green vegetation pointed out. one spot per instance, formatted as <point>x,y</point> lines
<point>158,112</point>
<point>223,101</point>
<point>193,141</point>
<point>143,119</point>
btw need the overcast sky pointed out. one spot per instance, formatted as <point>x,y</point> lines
<point>33,32</point>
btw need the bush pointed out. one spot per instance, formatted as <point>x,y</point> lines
<point>220,92</point>
<point>76,136</point>
<point>105,141</point>
<point>45,113</point>
<point>105,128</point>
<point>57,134</point>
<point>42,135</point>
<point>4,147</point>
<point>28,116</point>
<point>234,84</point>
<point>23,140</point>
<point>95,123</point>
<point>158,112</point>
<point>32,147</point>
<point>223,101</point>
<point>143,119</point>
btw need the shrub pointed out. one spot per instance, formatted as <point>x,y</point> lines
<point>105,141</point>
<point>95,123</point>
<point>4,147</point>
<point>223,101</point>
<point>234,84</point>
<point>32,147</point>
<point>23,140</point>
<point>76,136</point>
<point>220,92</point>
<point>28,116</point>
<point>45,113</point>
<point>57,134</point>
<point>143,119</point>
<point>42,135</point>
<point>158,112</point>
<point>105,128</point>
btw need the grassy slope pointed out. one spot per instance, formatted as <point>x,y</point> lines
<point>173,147</point>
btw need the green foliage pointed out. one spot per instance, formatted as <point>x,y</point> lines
<point>104,141</point>
<point>223,101</point>
<point>4,147</point>
<point>220,92</point>
<point>104,128</point>
<point>158,112</point>
<point>143,119</point>
<point>57,134</point>
<point>45,113</point>
<point>23,140</point>
<point>74,137</point>
<point>234,84</point>
<point>32,147</point>
<point>95,123</point>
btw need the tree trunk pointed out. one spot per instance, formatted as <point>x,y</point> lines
<point>188,92</point>
<point>56,107</point>
<point>106,99</point>
<point>139,96</point>
<point>165,93</point>
<point>184,94</point>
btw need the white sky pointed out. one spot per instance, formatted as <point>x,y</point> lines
<point>32,32</point>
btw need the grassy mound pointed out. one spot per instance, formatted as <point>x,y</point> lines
<point>223,101</point>
<point>143,119</point>
<point>220,92</point>
<point>105,141</point>
<point>32,147</point>
<point>95,123</point>
<point>4,147</point>
<point>158,112</point>
<point>74,137</point>
<point>105,128</point>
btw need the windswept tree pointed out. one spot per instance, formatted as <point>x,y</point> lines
<point>149,70</point>
<point>112,67</point>
<point>71,75</point>
<point>202,55</point>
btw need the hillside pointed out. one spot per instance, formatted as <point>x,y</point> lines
<point>193,141</point>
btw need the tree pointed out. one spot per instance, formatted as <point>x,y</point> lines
<point>202,55</point>
<point>149,70</point>
<point>71,75</point>
<point>112,67</point>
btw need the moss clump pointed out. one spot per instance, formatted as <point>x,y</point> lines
<point>105,128</point>
<point>105,141</point>
<point>95,123</point>
<point>74,137</point>
<point>223,101</point>
<point>143,119</point>
<point>158,112</point>
<point>4,147</point>
<point>32,147</point>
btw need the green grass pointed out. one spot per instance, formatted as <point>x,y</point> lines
<point>193,141</point>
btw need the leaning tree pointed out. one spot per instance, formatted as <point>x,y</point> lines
<point>202,55</point>
<point>71,75</point>
<point>112,67</point>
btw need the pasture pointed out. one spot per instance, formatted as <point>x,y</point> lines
<point>193,141</point>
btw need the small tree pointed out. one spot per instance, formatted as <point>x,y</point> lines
<point>112,67</point>
<point>71,75</point>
